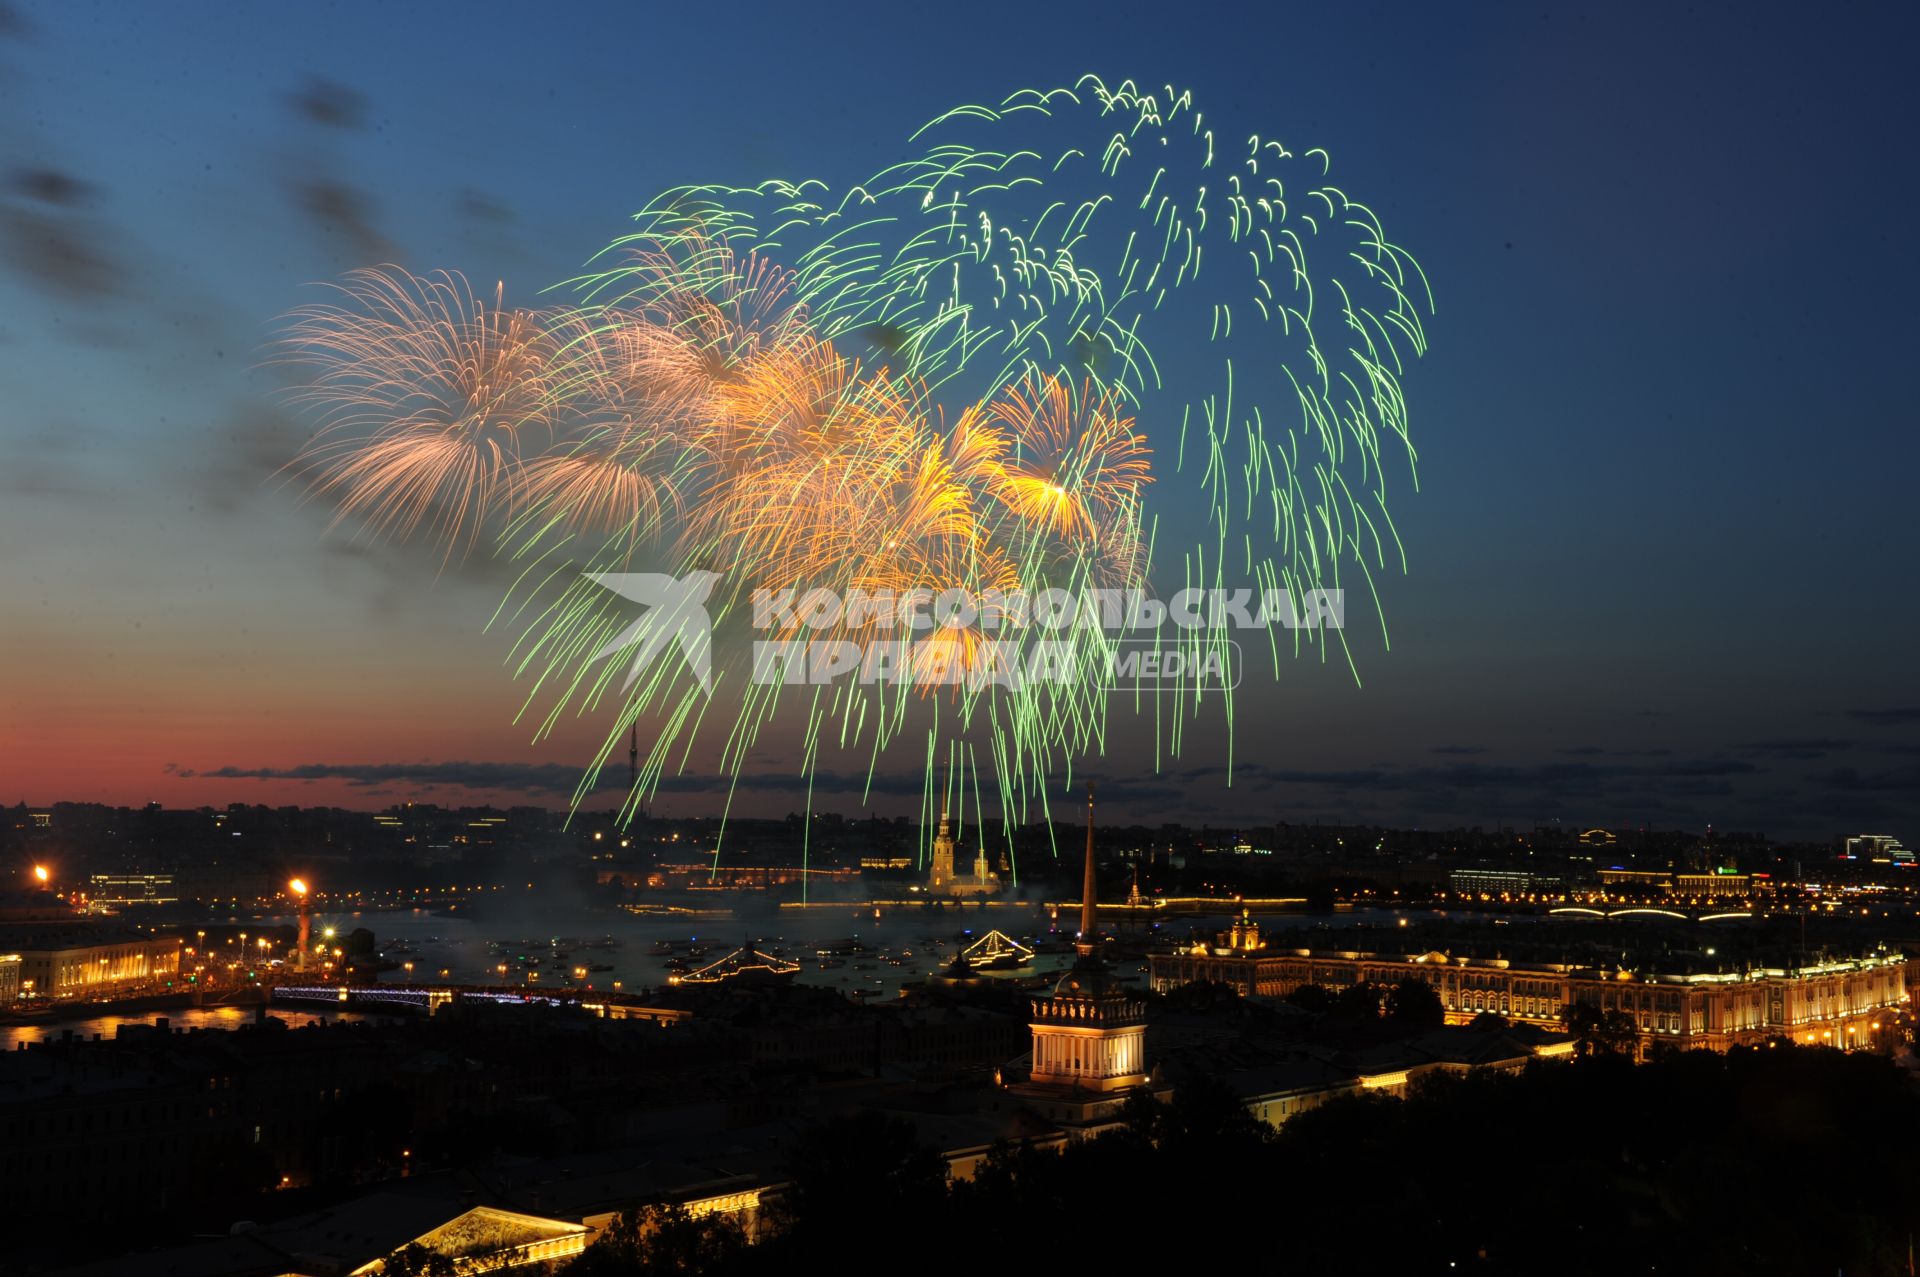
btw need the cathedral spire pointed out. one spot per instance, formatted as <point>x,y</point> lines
<point>940,871</point>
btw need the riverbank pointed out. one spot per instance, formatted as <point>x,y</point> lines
<point>76,1009</point>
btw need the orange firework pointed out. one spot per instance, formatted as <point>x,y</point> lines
<point>425,393</point>
<point>628,441</point>
<point>1074,466</point>
<point>721,309</point>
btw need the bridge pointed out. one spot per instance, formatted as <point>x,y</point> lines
<point>1650,911</point>
<point>404,998</point>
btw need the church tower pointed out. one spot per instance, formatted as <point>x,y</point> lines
<point>1089,1033</point>
<point>940,874</point>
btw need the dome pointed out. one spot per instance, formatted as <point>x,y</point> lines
<point>1087,979</point>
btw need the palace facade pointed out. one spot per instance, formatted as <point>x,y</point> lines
<point>1839,1003</point>
<point>62,967</point>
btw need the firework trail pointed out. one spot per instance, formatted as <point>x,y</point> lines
<point>425,396</point>
<point>931,381</point>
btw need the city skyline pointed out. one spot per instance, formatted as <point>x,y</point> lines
<point>1655,562</point>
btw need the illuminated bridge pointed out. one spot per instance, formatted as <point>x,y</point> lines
<point>402,998</point>
<point>1650,911</point>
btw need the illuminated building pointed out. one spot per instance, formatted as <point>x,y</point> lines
<point>355,1238</point>
<point>1881,849</point>
<point>1670,884</point>
<point>1835,1002</point>
<point>941,879</point>
<point>940,862</point>
<point>76,965</point>
<point>708,876</point>
<point>484,1239</point>
<point>1277,1093</point>
<point>1514,882</point>
<point>132,889</point>
<point>1089,1033</point>
<point>9,977</point>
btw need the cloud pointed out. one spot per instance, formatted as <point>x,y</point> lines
<point>1797,747</point>
<point>1602,790</point>
<point>336,207</point>
<point>519,777</point>
<point>1903,716</point>
<point>1539,777</point>
<point>1850,780</point>
<point>555,778</point>
<point>323,101</point>
<point>59,254</point>
<point>51,186</point>
<point>1460,749</point>
<point>12,24</point>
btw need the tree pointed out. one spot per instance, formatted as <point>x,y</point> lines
<point>415,1260</point>
<point>1357,1002</point>
<point>866,1173</point>
<point>1597,1032</point>
<point>1311,997</point>
<point>1202,995</point>
<point>1205,1119</point>
<point>1412,1003</point>
<point>663,1241</point>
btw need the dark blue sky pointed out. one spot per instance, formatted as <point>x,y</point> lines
<point>1660,565</point>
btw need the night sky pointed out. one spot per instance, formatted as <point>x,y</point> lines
<point>1661,559</point>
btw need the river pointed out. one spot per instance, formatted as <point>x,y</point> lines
<point>899,944</point>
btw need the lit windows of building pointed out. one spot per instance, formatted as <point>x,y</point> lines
<point>1716,1010</point>
<point>132,889</point>
<point>75,967</point>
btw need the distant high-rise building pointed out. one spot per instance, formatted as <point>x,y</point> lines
<point>1880,848</point>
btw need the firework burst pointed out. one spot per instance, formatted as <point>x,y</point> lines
<point>933,382</point>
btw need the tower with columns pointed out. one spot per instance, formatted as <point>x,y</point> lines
<point>1089,1033</point>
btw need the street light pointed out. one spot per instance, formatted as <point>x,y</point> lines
<point>41,875</point>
